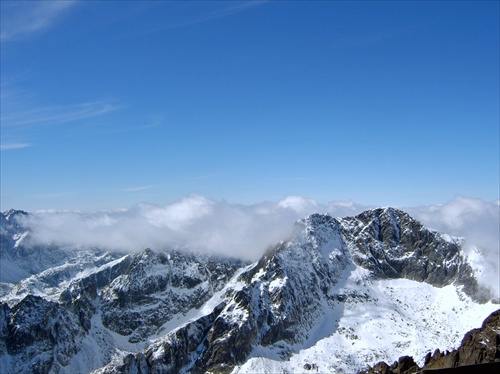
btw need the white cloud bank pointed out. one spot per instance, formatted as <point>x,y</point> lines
<point>246,231</point>
<point>478,222</point>
<point>194,222</point>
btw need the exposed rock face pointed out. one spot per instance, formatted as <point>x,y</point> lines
<point>290,288</point>
<point>479,346</point>
<point>154,287</point>
<point>392,244</point>
<point>211,314</point>
<point>134,295</point>
<point>405,365</point>
<point>277,300</point>
<point>42,333</point>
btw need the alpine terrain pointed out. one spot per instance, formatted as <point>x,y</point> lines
<point>341,295</point>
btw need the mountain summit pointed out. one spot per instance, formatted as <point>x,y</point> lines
<point>339,295</point>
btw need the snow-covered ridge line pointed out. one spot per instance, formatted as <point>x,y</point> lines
<point>340,294</point>
<point>332,268</point>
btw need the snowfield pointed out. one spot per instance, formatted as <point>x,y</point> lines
<point>379,321</point>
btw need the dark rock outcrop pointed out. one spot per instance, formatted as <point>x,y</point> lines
<point>155,286</point>
<point>392,244</point>
<point>43,333</point>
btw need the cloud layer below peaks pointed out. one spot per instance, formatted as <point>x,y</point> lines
<point>246,231</point>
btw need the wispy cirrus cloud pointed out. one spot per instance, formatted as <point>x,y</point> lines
<point>229,9</point>
<point>20,19</point>
<point>136,189</point>
<point>11,146</point>
<point>292,179</point>
<point>24,117</point>
<point>21,120</point>
<point>224,12</point>
<point>56,114</point>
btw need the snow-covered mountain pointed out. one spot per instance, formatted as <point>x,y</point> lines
<point>339,295</point>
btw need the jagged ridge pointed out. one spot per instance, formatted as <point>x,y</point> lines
<point>292,287</point>
<point>203,319</point>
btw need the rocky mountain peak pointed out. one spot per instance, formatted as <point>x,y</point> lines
<point>10,215</point>
<point>392,244</point>
<point>175,311</point>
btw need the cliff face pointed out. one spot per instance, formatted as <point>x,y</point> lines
<point>391,244</point>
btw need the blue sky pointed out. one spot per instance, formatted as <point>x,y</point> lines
<point>108,104</point>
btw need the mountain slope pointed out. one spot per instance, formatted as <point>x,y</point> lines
<point>478,352</point>
<point>340,295</point>
<point>91,304</point>
<point>329,287</point>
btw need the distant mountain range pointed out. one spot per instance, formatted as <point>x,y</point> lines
<point>341,295</point>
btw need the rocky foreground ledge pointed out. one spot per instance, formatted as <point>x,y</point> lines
<point>479,352</point>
